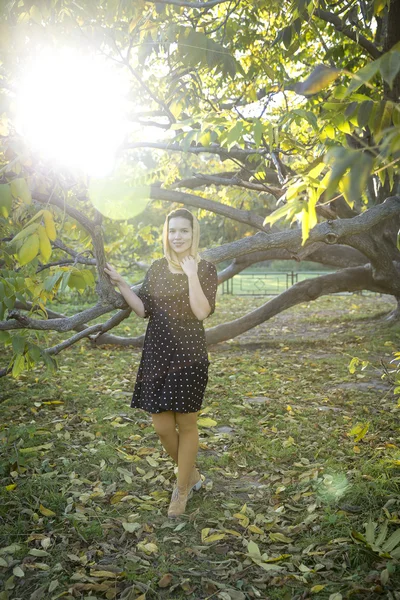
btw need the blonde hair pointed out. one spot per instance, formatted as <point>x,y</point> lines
<point>170,255</point>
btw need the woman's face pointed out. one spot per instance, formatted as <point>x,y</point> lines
<point>180,236</point>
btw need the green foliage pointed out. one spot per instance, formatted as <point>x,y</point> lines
<point>386,548</point>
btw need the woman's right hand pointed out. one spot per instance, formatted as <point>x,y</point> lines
<point>115,277</point>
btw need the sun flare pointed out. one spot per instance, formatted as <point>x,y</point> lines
<point>71,108</point>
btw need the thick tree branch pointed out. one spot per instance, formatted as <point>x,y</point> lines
<point>335,256</point>
<point>338,24</point>
<point>242,216</point>
<point>19,321</point>
<point>330,232</point>
<point>347,280</point>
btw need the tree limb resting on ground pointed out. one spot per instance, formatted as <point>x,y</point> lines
<point>346,280</point>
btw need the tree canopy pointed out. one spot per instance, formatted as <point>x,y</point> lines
<point>278,122</point>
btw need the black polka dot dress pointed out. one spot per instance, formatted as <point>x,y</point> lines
<point>173,370</point>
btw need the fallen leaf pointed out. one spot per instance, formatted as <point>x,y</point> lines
<point>46,511</point>
<point>206,422</point>
<point>165,580</point>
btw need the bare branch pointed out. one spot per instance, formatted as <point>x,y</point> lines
<point>188,4</point>
<point>100,327</point>
<point>67,261</point>
<point>199,179</point>
<point>238,153</point>
<point>72,340</point>
<point>338,24</point>
<point>236,181</point>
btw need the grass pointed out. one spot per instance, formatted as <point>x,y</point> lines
<point>84,484</point>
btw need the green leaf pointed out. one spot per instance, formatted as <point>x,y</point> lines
<point>234,134</point>
<point>20,189</point>
<point>392,542</point>
<point>253,550</point>
<point>286,35</point>
<point>382,534</point>
<point>258,131</point>
<point>364,113</point>
<point>5,199</point>
<point>341,160</point>
<point>363,76</point>
<point>370,527</point>
<point>18,365</point>
<point>358,176</point>
<point>52,280</point>
<point>18,344</point>
<point>379,6</point>
<point>390,66</point>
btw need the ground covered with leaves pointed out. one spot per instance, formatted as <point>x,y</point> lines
<point>301,457</point>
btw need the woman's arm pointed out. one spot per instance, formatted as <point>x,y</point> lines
<point>130,297</point>
<point>198,302</point>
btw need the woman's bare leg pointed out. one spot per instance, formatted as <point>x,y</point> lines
<point>187,448</point>
<point>165,426</point>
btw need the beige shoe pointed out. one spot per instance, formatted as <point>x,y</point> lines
<point>195,480</point>
<point>178,503</point>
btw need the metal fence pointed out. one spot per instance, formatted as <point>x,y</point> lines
<point>269,283</point>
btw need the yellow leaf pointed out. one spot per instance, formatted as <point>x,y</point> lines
<point>319,79</point>
<point>204,533</point>
<point>317,588</point>
<point>29,249</point>
<point>356,449</point>
<point>117,497</point>
<point>359,431</point>
<point>11,487</point>
<point>108,574</point>
<point>244,521</point>
<point>277,558</point>
<point>49,225</point>
<point>206,422</point>
<point>214,538</point>
<point>289,442</point>
<point>255,529</point>
<point>46,511</point>
<point>149,548</point>
<point>233,532</point>
<point>279,537</point>
<point>44,243</point>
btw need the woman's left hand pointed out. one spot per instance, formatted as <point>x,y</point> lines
<point>189,266</point>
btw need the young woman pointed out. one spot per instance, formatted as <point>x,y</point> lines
<point>178,293</point>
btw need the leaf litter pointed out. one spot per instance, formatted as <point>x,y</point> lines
<point>298,500</point>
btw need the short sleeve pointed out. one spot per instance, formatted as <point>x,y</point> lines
<point>145,295</point>
<point>209,284</point>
